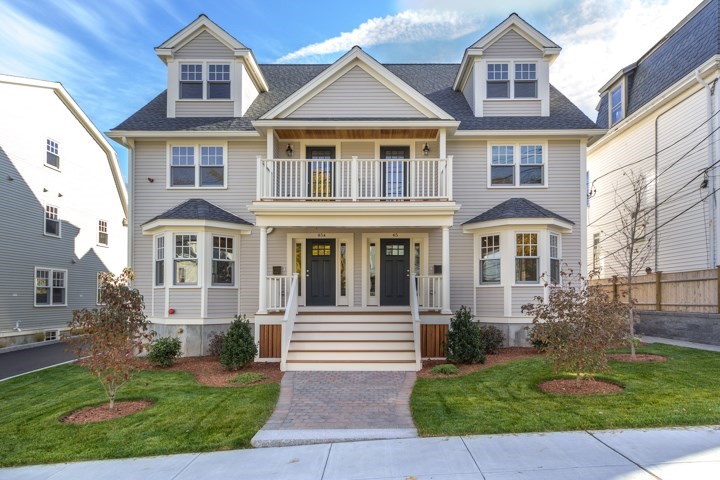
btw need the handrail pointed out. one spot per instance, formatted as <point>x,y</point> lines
<point>415,316</point>
<point>291,310</point>
<point>429,288</point>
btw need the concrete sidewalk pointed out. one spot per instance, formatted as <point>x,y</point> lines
<point>679,453</point>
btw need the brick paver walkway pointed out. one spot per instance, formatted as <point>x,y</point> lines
<point>348,400</point>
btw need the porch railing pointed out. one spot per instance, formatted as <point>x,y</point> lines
<point>278,287</point>
<point>354,179</point>
<point>291,310</point>
<point>415,316</point>
<point>429,291</point>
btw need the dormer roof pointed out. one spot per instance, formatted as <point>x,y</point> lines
<point>515,23</point>
<point>202,24</point>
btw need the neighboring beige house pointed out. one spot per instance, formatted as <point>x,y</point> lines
<point>662,115</point>
<point>349,209</point>
<point>63,210</point>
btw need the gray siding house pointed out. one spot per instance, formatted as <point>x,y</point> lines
<point>349,209</point>
<point>63,210</point>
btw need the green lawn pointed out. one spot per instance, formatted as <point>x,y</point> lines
<point>685,390</point>
<point>185,417</point>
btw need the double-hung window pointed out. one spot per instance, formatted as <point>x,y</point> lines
<point>525,84</point>
<point>490,260</point>
<point>218,85</point>
<point>554,259</point>
<point>52,221</point>
<point>52,157</point>
<point>616,105</point>
<point>50,287</point>
<point>512,80</point>
<point>191,81</point>
<point>498,80</point>
<point>517,165</point>
<point>527,261</point>
<point>159,261</point>
<point>187,171</point>
<point>186,263</point>
<point>103,236</point>
<point>223,261</point>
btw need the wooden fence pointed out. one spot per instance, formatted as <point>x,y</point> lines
<point>696,291</point>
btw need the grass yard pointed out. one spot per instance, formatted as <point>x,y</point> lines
<point>684,390</point>
<point>185,417</point>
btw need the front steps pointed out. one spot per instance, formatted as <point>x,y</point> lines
<point>378,341</point>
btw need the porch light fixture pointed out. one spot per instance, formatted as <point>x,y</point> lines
<point>289,150</point>
<point>426,149</point>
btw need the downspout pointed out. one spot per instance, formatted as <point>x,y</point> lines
<point>130,145</point>
<point>714,232</point>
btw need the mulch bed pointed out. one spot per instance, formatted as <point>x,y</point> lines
<point>503,356</point>
<point>208,371</point>
<point>100,413</point>
<point>626,357</point>
<point>586,387</point>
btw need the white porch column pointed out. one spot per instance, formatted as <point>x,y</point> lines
<point>446,270</point>
<point>263,271</point>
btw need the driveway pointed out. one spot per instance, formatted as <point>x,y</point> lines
<point>29,359</point>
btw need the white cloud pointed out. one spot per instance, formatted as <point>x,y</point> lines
<point>600,37</point>
<point>483,7</point>
<point>405,27</point>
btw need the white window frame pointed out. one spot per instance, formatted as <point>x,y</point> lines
<point>100,232</point>
<point>620,85</point>
<point>58,219</point>
<point>233,261</point>
<point>557,257</point>
<point>50,287</point>
<point>205,80</point>
<point>479,239</point>
<point>517,146</point>
<point>197,258</point>
<point>537,257</point>
<point>156,251</point>
<point>197,159</point>
<point>511,79</point>
<point>49,149</point>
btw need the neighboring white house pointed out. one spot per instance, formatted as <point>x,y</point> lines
<point>63,210</point>
<point>662,115</point>
<point>349,209</point>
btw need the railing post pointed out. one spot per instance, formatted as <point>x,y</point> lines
<point>259,179</point>
<point>354,178</point>
<point>263,294</point>
<point>449,177</point>
<point>658,291</point>
<point>445,288</point>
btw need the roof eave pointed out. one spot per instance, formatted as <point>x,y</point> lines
<point>562,225</point>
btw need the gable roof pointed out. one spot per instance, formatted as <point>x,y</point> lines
<point>516,208</point>
<point>433,81</point>
<point>356,57</point>
<point>85,121</point>
<point>692,42</point>
<point>199,209</point>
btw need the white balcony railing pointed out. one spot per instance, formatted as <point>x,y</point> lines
<point>429,292</point>
<point>354,179</point>
<point>278,287</point>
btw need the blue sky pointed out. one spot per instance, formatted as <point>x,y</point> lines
<point>102,51</point>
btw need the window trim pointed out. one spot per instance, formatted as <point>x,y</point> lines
<point>558,236</point>
<point>511,79</point>
<point>59,220</point>
<point>106,232</point>
<point>621,86</point>
<point>205,75</point>
<point>233,261</point>
<point>517,145</point>
<point>50,287</point>
<point>478,279</point>
<point>47,150</point>
<point>198,257</point>
<point>197,156</point>
<point>538,257</point>
<point>156,259</point>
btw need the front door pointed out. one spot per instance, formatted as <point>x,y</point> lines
<point>320,262</point>
<point>395,174</point>
<point>394,272</point>
<point>320,172</point>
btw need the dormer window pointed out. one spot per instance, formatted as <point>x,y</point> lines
<point>218,81</point>
<point>525,80</point>
<point>616,105</point>
<point>498,80</point>
<point>523,83</point>
<point>191,81</point>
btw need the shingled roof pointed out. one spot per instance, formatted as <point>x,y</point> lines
<point>199,209</point>
<point>516,208</point>
<point>434,81</point>
<point>690,44</point>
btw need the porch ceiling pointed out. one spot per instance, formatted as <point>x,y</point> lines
<point>357,134</point>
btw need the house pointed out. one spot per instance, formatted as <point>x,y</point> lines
<point>662,118</point>
<point>349,209</point>
<point>63,212</point>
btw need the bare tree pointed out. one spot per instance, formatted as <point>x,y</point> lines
<point>635,246</point>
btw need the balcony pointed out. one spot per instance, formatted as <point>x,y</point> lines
<point>355,179</point>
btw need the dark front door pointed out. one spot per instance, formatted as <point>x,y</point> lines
<point>395,173</point>
<point>394,272</point>
<point>320,272</point>
<point>320,171</point>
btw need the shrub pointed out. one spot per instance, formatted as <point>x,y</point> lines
<point>238,348</point>
<point>577,325</point>
<point>492,338</point>
<point>464,344</point>
<point>446,369</point>
<point>248,378</point>
<point>535,341</point>
<point>164,351</point>
<point>216,343</point>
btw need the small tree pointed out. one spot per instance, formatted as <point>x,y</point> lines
<point>464,342</point>
<point>238,348</point>
<point>577,325</point>
<point>113,334</point>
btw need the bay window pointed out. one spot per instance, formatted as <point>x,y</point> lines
<point>490,259</point>
<point>527,260</point>
<point>554,259</point>
<point>223,261</point>
<point>159,261</point>
<point>185,261</point>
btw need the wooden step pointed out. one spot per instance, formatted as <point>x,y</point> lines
<point>351,361</point>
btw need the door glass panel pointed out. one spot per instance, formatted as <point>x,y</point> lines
<point>416,265</point>
<point>372,269</point>
<point>343,270</point>
<point>395,171</point>
<point>298,266</point>
<point>321,250</point>
<point>395,250</point>
<point>321,182</point>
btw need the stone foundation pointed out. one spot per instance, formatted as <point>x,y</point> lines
<point>195,338</point>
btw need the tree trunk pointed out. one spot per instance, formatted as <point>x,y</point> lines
<point>632,332</point>
<point>112,403</point>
